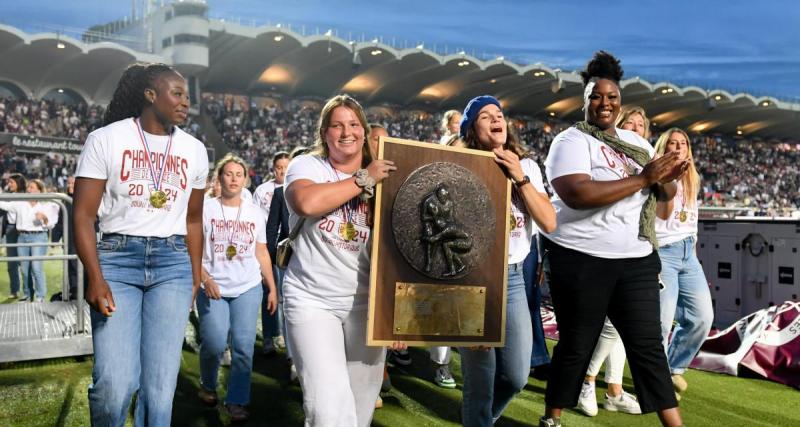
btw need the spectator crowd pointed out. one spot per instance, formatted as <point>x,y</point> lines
<point>735,172</point>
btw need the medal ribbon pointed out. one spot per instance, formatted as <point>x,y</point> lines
<point>346,208</point>
<point>156,181</point>
<point>683,198</point>
<point>225,221</point>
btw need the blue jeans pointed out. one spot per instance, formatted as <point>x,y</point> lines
<point>686,300</point>
<point>13,266</point>
<point>530,270</point>
<point>237,316</point>
<point>138,348</point>
<point>492,378</point>
<point>273,324</point>
<point>33,271</point>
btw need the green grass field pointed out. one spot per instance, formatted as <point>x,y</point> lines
<point>53,393</point>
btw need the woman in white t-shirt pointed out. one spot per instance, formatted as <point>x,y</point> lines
<point>601,259</point>
<point>492,377</point>
<point>685,299</point>
<point>143,272</point>
<point>609,348</point>
<point>16,184</point>
<point>326,283</point>
<point>34,219</point>
<point>235,264</point>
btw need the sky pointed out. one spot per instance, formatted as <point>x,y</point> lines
<point>741,46</point>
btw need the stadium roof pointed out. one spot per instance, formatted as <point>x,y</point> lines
<point>272,59</point>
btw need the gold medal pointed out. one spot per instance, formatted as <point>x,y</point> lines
<point>683,216</point>
<point>230,251</point>
<point>158,199</point>
<point>348,231</point>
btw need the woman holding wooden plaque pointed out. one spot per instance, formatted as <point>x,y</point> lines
<point>326,284</point>
<point>492,377</point>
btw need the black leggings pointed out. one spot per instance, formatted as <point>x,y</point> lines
<point>586,289</point>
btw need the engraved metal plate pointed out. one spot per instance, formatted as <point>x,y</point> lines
<point>439,309</point>
<point>471,214</point>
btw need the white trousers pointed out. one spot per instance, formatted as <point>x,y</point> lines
<point>609,349</point>
<point>340,376</point>
<point>440,355</point>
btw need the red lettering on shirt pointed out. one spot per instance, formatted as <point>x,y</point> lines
<point>123,172</point>
<point>184,178</point>
<point>610,162</point>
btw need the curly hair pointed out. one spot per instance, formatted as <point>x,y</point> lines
<point>603,65</point>
<point>128,99</point>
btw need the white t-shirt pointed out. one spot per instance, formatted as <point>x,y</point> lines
<point>673,229</point>
<point>519,242</point>
<point>246,195</point>
<point>610,231</point>
<point>116,154</point>
<point>327,270</point>
<point>221,229</point>
<point>26,214</point>
<point>11,217</point>
<point>263,195</point>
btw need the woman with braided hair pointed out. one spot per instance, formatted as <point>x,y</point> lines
<point>601,260</point>
<point>143,177</point>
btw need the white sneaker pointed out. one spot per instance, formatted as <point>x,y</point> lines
<point>226,358</point>
<point>679,383</point>
<point>587,402</point>
<point>625,403</point>
<point>280,342</point>
<point>443,378</point>
<point>293,373</point>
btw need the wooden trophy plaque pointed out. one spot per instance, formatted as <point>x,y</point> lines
<point>440,247</point>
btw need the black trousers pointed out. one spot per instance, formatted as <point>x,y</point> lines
<point>585,289</point>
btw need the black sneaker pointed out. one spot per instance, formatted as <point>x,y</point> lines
<point>268,350</point>
<point>399,357</point>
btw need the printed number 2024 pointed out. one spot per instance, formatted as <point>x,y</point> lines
<point>138,190</point>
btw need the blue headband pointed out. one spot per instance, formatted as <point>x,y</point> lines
<point>473,108</point>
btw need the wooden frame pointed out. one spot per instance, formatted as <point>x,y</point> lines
<point>389,268</point>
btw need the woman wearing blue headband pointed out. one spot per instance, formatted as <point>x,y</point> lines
<point>492,377</point>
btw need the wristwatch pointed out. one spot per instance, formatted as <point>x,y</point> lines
<point>366,182</point>
<point>522,182</point>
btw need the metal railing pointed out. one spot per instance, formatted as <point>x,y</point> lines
<point>61,200</point>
